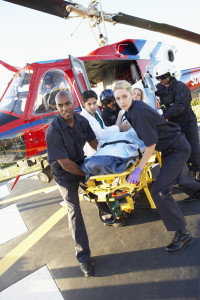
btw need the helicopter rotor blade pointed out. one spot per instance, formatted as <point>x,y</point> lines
<point>158,27</point>
<point>52,7</point>
<point>62,8</point>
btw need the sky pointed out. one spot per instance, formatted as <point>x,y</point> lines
<point>27,36</point>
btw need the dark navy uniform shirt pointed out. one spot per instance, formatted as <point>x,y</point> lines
<point>179,110</point>
<point>150,126</point>
<point>109,116</point>
<point>64,141</point>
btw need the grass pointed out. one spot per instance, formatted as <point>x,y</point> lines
<point>9,171</point>
<point>196,110</point>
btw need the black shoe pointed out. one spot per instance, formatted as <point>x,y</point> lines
<point>117,223</point>
<point>180,241</point>
<point>195,196</point>
<point>87,269</point>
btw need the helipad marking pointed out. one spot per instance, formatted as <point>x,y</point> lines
<point>37,285</point>
<point>7,261</point>
<point>11,223</point>
<point>4,191</point>
<point>45,190</point>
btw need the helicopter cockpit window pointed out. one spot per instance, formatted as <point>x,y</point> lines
<point>51,83</point>
<point>15,98</point>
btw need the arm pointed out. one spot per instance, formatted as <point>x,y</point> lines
<point>119,118</point>
<point>70,166</point>
<point>181,102</point>
<point>94,124</point>
<point>124,126</point>
<point>135,175</point>
<point>146,155</point>
<point>102,132</point>
<point>93,144</point>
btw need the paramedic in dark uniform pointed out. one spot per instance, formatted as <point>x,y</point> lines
<point>175,98</point>
<point>111,110</point>
<point>166,137</point>
<point>65,138</point>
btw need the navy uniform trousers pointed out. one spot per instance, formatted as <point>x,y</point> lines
<point>173,160</point>
<point>190,129</point>
<point>69,192</point>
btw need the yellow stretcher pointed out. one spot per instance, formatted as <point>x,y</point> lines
<point>115,190</point>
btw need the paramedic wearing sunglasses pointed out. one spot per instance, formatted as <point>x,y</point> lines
<point>166,137</point>
<point>175,98</point>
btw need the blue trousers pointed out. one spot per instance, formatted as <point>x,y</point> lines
<point>190,129</point>
<point>69,192</point>
<point>173,160</point>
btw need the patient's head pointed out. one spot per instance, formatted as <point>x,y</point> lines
<point>137,94</point>
<point>89,99</point>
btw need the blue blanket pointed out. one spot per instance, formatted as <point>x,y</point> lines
<point>114,154</point>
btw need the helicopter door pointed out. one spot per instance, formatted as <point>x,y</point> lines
<point>80,74</point>
<point>150,88</point>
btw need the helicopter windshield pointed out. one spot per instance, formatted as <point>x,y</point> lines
<point>52,82</point>
<point>15,98</point>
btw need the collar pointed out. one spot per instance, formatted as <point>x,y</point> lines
<point>86,113</point>
<point>174,81</point>
<point>130,108</point>
<point>132,105</point>
<point>64,124</point>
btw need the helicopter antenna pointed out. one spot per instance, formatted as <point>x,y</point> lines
<point>95,15</point>
<point>77,27</point>
<point>92,31</point>
<point>102,16</point>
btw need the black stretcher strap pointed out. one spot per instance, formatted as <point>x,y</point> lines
<point>115,142</point>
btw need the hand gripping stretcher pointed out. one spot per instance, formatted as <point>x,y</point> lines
<point>117,193</point>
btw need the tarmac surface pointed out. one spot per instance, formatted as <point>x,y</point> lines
<point>130,262</point>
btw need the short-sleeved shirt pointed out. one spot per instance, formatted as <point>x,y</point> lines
<point>64,141</point>
<point>109,116</point>
<point>150,126</point>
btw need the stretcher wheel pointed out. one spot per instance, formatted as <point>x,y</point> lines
<point>125,215</point>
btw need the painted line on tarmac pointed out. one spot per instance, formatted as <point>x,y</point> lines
<point>45,190</point>
<point>7,261</point>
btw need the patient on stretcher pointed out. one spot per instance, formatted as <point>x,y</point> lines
<point>114,154</point>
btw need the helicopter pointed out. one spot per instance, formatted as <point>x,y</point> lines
<point>26,109</point>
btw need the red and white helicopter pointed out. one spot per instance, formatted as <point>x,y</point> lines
<point>23,117</point>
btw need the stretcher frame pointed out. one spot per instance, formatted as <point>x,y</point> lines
<point>105,188</point>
